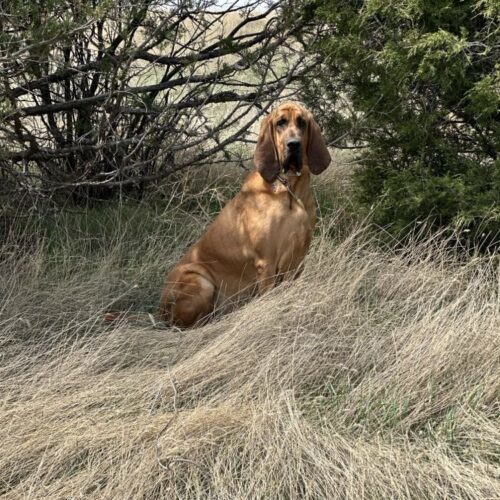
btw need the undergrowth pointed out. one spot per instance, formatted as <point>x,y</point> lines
<point>374,375</point>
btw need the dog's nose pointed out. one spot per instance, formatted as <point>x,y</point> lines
<point>293,144</point>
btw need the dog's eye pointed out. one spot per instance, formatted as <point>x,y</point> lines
<point>301,123</point>
<point>282,122</point>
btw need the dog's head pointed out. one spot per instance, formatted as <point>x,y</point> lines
<point>290,138</point>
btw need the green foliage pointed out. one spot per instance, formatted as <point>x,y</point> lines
<point>422,80</point>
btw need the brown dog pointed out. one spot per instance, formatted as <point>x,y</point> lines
<point>262,235</point>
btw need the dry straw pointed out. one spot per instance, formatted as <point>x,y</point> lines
<point>374,375</point>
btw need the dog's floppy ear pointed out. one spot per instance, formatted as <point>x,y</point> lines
<point>317,152</point>
<point>264,158</point>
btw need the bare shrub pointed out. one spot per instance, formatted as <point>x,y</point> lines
<point>98,99</point>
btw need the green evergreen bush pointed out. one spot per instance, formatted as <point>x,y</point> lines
<point>421,80</point>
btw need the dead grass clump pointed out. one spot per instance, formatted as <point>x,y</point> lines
<point>374,375</point>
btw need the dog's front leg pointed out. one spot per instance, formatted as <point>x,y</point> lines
<point>266,275</point>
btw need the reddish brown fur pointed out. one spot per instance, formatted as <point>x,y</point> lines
<point>261,234</point>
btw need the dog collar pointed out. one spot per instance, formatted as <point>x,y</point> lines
<point>286,183</point>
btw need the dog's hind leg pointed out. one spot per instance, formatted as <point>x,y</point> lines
<point>187,300</point>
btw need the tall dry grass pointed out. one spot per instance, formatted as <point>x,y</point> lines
<point>374,375</point>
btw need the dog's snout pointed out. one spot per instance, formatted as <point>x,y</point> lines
<point>293,144</point>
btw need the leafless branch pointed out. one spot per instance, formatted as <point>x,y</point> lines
<point>138,93</point>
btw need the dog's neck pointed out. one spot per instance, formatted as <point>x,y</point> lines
<point>296,184</point>
<point>295,179</point>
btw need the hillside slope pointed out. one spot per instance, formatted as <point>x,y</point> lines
<point>374,375</point>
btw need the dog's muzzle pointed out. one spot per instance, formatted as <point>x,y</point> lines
<point>293,155</point>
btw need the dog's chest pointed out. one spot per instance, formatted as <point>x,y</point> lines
<point>301,220</point>
<point>292,226</point>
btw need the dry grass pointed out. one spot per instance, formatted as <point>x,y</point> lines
<point>374,375</point>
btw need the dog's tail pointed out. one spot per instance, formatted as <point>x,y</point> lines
<point>120,316</point>
<point>114,316</point>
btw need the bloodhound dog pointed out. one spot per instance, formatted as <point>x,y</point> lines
<point>262,235</point>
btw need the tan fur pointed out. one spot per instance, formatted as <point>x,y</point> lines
<point>260,236</point>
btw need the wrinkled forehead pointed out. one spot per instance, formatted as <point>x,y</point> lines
<point>290,111</point>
